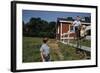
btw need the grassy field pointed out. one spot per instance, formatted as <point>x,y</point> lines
<point>58,51</point>
<point>83,42</point>
<point>69,53</point>
<point>31,48</point>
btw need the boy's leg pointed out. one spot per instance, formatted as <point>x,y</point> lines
<point>77,39</point>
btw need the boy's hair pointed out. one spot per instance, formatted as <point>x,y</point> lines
<point>45,40</point>
<point>78,16</point>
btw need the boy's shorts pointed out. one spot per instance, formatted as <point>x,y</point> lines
<point>47,58</point>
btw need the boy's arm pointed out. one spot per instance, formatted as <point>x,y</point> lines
<point>41,53</point>
<point>42,56</point>
<point>73,23</point>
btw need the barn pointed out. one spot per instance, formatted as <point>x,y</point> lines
<point>65,30</point>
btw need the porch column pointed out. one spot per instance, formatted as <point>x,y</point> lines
<point>68,35</point>
<point>61,30</point>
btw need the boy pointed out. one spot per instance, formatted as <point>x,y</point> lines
<point>45,51</point>
<point>76,24</point>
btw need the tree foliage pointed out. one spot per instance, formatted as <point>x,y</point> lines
<point>37,27</point>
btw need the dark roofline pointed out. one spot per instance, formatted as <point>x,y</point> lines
<point>65,19</point>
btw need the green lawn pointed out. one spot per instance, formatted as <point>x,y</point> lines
<point>31,51</point>
<point>69,53</point>
<point>83,42</point>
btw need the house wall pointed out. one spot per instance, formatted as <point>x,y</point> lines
<point>65,27</point>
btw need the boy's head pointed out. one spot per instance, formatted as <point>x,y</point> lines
<point>45,40</point>
<point>78,18</point>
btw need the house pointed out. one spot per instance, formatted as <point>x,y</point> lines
<point>65,30</point>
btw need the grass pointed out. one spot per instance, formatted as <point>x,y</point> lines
<point>31,50</point>
<point>69,52</point>
<point>54,55</point>
<point>86,43</point>
<point>83,42</point>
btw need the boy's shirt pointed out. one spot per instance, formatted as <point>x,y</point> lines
<point>45,49</point>
<point>77,23</point>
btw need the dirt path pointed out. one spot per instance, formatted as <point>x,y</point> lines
<point>53,44</point>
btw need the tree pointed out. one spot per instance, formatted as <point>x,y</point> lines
<point>88,19</point>
<point>40,28</point>
<point>70,18</point>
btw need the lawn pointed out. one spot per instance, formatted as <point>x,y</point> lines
<point>58,51</point>
<point>83,42</point>
<point>70,54</point>
<point>31,48</point>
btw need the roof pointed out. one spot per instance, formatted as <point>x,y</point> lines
<point>71,20</point>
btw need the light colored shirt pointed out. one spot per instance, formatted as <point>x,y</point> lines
<point>76,23</point>
<point>45,49</point>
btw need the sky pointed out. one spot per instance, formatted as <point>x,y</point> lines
<point>50,15</point>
